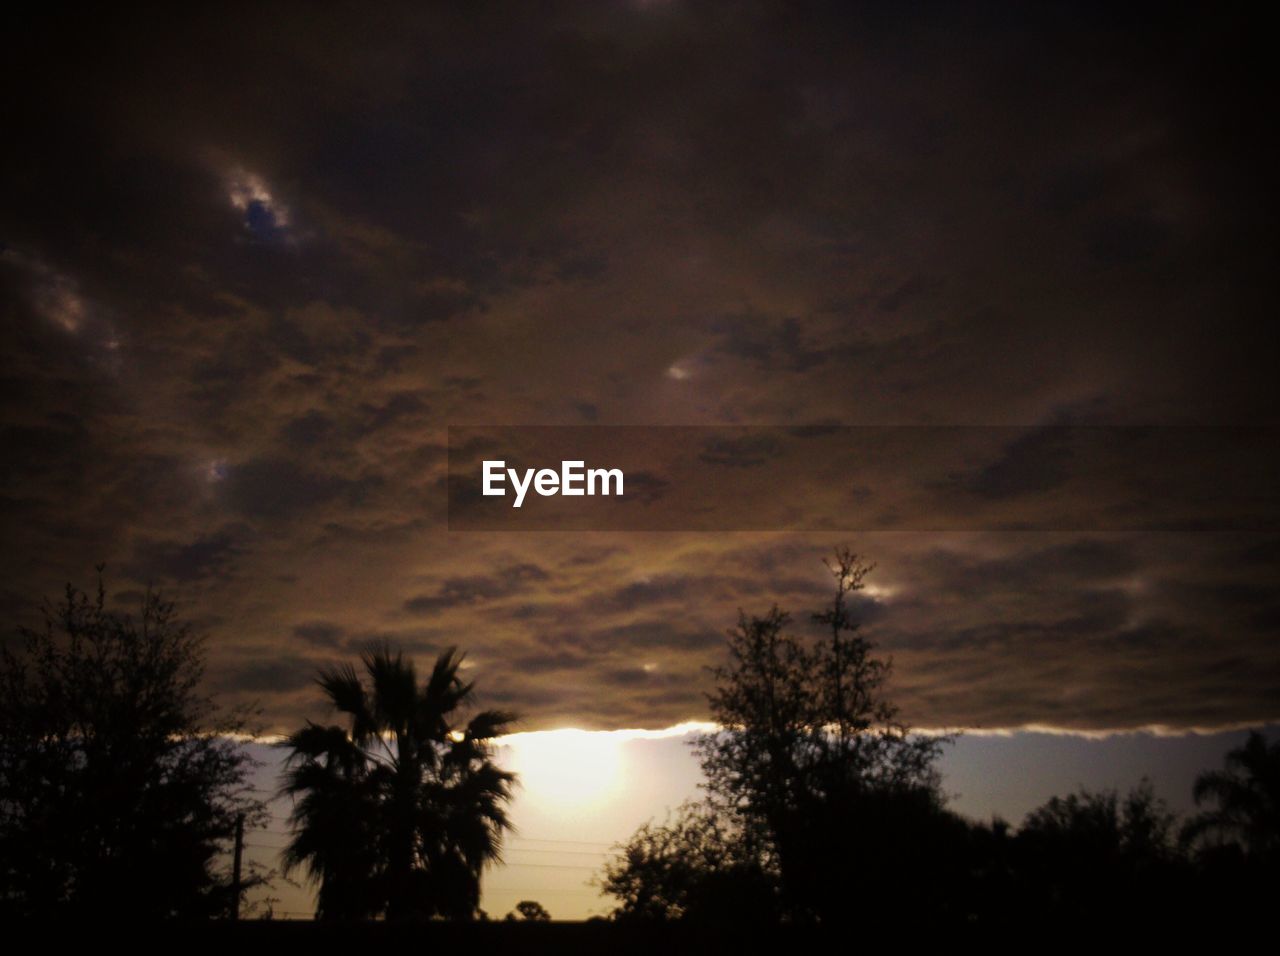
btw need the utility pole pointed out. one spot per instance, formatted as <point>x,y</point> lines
<point>235,867</point>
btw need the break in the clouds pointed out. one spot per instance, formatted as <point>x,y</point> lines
<point>251,277</point>
<point>265,216</point>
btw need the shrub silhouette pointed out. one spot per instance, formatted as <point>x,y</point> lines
<point>700,866</point>
<point>1091,854</point>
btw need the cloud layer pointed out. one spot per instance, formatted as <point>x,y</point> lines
<point>254,267</point>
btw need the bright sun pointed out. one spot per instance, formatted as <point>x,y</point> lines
<point>566,767</point>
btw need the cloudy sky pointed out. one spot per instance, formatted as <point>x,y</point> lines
<point>254,264</point>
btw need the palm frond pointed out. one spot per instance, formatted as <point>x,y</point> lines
<point>393,680</point>
<point>444,689</point>
<point>490,723</point>
<point>347,694</point>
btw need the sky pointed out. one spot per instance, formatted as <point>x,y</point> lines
<point>255,264</point>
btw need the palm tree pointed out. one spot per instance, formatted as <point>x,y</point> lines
<point>1247,798</point>
<point>397,813</point>
<point>334,817</point>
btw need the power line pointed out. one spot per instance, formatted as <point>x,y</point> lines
<point>510,844</point>
<point>546,891</point>
<point>503,863</point>
<point>509,849</point>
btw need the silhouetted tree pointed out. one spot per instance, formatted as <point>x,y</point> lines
<point>530,911</point>
<point>398,813</point>
<point>834,805</point>
<point>823,807</point>
<point>1139,827</point>
<point>1092,852</point>
<point>700,867</point>
<point>335,817</point>
<point>120,783</point>
<point>1243,799</point>
<point>813,758</point>
<point>1235,838</point>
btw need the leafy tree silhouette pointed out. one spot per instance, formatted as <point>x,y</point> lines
<point>398,813</point>
<point>1090,854</point>
<point>822,807</point>
<point>699,866</point>
<point>120,783</point>
<point>815,788</point>
<point>814,759</point>
<point>530,911</point>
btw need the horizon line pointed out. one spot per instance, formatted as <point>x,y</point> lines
<point>688,727</point>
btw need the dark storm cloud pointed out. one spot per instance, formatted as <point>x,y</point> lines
<point>551,662</point>
<point>1264,552</point>
<point>644,486</point>
<point>655,593</point>
<point>656,635</point>
<point>206,556</point>
<point>1035,462</point>
<point>397,406</point>
<point>639,677</point>
<point>254,265</point>
<point>474,589</point>
<point>320,633</point>
<point>277,675</point>
<point>743,452</point>
<point>33,450</point>
<point>309,429</point>
<point>1076,565</point>
<point>768,342</point>
<point>279,488</point>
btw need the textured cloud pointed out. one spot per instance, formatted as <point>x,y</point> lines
<point>251,277</point>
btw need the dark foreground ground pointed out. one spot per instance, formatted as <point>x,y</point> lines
<point>1168,929</point>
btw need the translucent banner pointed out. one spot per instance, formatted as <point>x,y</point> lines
<point>863,478</point>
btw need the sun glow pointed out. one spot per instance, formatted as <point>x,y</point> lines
<point>566,767</point>
<point>571,768</point>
